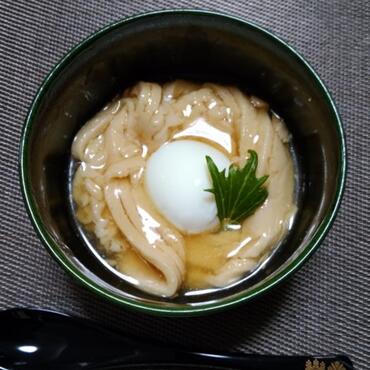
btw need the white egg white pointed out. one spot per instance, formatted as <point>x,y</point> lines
<point>176,176</point>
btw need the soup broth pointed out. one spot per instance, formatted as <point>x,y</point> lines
<point>123,219</point>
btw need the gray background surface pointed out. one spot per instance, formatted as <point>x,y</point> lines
<point>325,307</point>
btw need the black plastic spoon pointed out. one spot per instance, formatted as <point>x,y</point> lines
<point>39,339</point>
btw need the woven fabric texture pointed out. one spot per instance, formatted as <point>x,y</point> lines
<point>325,307</point>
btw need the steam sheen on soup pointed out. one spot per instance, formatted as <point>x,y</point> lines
<point>140,184</point>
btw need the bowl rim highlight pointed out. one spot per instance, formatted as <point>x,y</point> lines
<point>208,307</point>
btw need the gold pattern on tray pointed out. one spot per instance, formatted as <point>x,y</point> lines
<point>317,365</point>
<point>336,366</point>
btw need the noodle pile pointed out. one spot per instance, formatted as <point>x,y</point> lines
<point>112,202</point>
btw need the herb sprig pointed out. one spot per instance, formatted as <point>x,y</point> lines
<point>238,193</point>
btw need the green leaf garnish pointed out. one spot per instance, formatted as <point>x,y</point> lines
<point>239,193</point>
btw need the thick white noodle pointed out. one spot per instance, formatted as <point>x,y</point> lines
<point>113,147</point>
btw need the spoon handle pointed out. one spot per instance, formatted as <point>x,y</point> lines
<point>192,360</point>
<point>37,339</point>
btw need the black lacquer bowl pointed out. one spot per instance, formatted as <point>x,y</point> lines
<point>162,46</point>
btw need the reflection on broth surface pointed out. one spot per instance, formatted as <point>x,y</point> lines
<point>140,179</point>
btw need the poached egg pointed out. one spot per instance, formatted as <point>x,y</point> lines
<point>176,177</point>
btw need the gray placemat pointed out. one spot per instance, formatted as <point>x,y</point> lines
<point>325,307</point>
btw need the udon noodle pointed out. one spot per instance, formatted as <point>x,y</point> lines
<point>112,202</point>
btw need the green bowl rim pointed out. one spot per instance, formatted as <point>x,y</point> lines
<point>54,249</point>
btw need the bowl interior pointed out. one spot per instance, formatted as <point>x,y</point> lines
<point>161,47</point>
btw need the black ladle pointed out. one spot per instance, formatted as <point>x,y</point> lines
<point>38,339</point>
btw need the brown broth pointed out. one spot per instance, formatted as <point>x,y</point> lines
<point>205,253</point>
